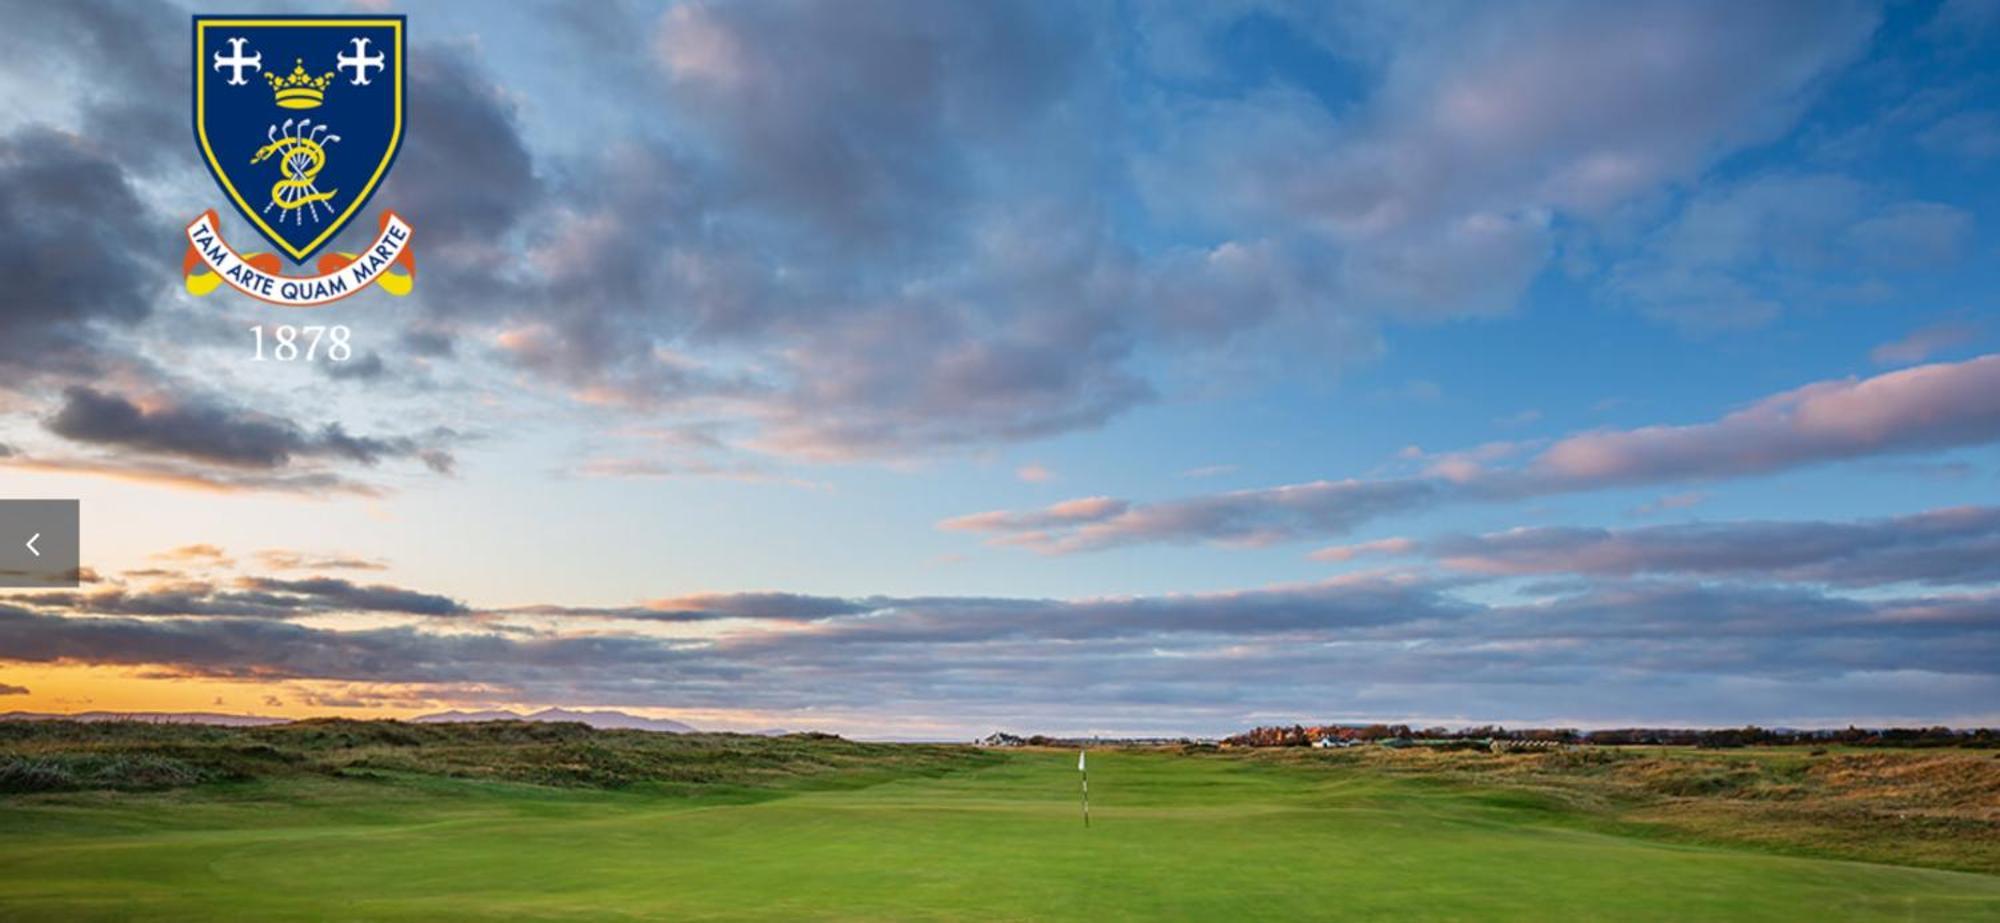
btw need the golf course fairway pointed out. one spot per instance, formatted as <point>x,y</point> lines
<point>1172,838</point>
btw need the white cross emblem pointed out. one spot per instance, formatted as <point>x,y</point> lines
<point>360,61</point>
<point>236,62</point>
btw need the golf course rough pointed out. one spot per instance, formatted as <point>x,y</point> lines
<point>1173,837</point>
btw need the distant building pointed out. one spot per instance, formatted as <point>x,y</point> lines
<point>1332,743</point>
<point>1000,739</point>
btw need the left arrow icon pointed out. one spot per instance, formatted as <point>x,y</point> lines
<point>48,558</point>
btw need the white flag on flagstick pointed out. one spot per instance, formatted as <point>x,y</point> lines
<point>1079,762</point>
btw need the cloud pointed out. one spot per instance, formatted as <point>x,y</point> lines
<point>897,229</point>
<point>1246,517</point>
<point>1680,501</point>
<point>857,119</point>
<point>185,476</point>
<point>282,559</point>
<point>1035,473</point>
<point>250,597</point>
<point>472,185</point>
<point>884,231</point>
<point>367,368</point>
<point>72,273</point>
<point>1925,342</point>
<point>1945,405</point>
<point>200,552</point>
<point>785,606</point>
<point>1947,547</point>
<point>1737,255</point>
<point>1928,407</point>
<point>340,595</point>
<point>646,468</point>
<point>6,689</point>
<point>1973,136</point>
<point>1436,192</point>
<point>269,649</point>
<point>1385,546</point>
<point>99,328</point>
<point>207,431</point>
<point>121,61</point>
<point>1067,513</point>
<point>1362,646</point>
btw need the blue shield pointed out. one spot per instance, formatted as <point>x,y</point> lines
<point>299,118</point>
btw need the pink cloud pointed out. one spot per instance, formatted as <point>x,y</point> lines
<point>1930,407</point>
<point>1035,473</point>
<point>1385,546</point>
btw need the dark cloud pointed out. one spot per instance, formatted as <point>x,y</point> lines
<point>259,648</point>
<point>125,59</point>
<point>346,596</point>
<point>428,342</point>
<point>192,599</point>
<point>82,252</point>
<point>6,689</point>
<point>368,367</point>
<point>1370,646</point>
<point>250,597</point>
<point>466,181</point>
<point>208,431</point>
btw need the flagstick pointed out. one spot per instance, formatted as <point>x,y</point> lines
<point>1085,769</point>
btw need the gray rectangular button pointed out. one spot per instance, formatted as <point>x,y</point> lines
<point>38,543</point>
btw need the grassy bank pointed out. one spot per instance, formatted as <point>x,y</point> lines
<point>48,756</point>
<point>1930,807</point>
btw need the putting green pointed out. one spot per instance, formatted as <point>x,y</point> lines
<point>1172,838</point>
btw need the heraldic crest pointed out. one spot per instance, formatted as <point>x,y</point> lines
<point>299,120</point>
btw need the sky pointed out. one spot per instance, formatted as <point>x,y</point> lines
<point>925,369</point>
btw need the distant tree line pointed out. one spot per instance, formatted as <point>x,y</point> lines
<point>1299,735</point>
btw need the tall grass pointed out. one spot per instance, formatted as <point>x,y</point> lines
<point>43,756</point>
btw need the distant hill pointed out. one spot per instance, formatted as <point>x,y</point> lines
<point>602,720</point>
<point>151,717</point>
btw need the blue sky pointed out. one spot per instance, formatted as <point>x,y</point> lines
<point>1144,317</point>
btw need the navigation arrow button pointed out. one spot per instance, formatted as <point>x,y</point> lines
<point>48,557</point>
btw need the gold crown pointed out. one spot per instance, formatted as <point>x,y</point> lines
<point>298,89</point>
